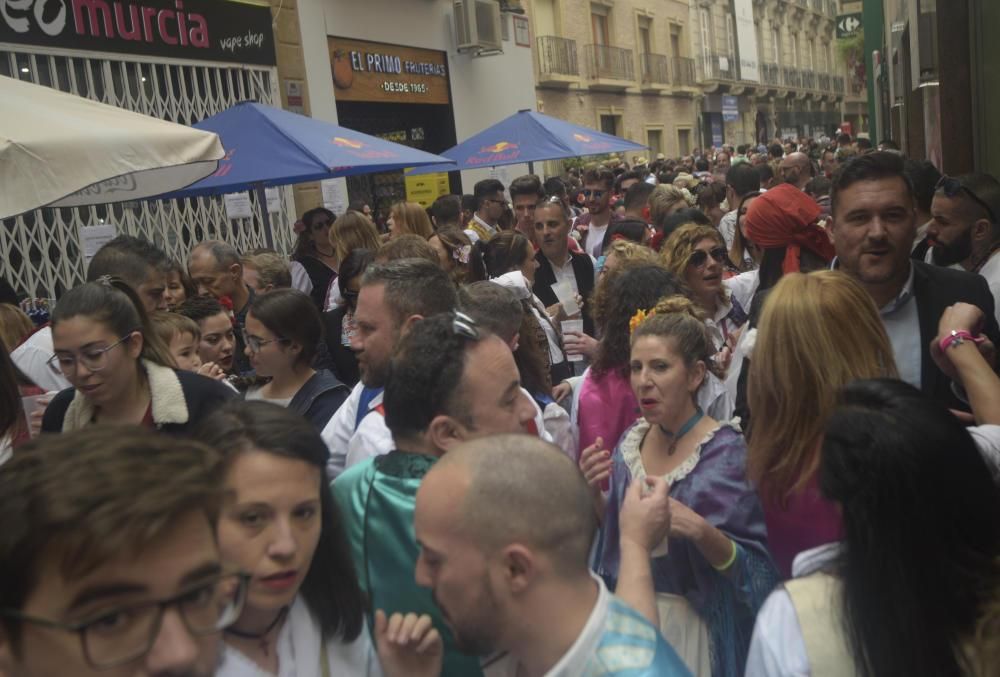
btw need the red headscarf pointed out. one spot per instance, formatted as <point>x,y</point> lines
<point>786,217</point>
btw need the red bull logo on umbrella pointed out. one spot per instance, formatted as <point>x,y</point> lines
<point>347,143</point>
<point>582,138</point>
<point>355,148</point>
<point>502,151</point>
<point>596,146</point>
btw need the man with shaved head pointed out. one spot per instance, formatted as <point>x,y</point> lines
<point>217,269</point>
<point>505,525</point>
<point>796,168</point>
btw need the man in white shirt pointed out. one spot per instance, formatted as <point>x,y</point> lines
<point>392,298</point>
<point>507,581</point>
<point>593,226</point>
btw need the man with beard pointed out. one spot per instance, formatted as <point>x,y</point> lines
<point>507,581</point>
<point>592,226</point>
<point>449,381</point>
<point>874,225</point>
<point>393,297</point>
<point>965,233</point>
<point>796,168</point>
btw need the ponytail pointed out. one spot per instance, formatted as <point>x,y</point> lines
<point>115,304</point>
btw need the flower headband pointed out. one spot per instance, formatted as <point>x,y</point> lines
<point>637,319</point>
<point>461,254</point>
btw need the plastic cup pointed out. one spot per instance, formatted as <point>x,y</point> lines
<point>572,326</point>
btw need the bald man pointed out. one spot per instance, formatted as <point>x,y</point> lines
<point>796,169</point>
<point>504,526</point>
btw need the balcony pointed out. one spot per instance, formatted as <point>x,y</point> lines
<point>611,68</point>
<point>684,70</point>
<point>718,67</point>
<point>808,79</point>
<point>770,74</point>
<point>823,82</point>
<point>557,63</point>
<point>838,84</point>
<point>791,77</point>
<point>854,87</point>
<point>655,71</point>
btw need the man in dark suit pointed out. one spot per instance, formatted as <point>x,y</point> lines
<point>874,225</point>
<point>556,263</point>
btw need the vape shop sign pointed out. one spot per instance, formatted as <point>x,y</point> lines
<point>207,30</point>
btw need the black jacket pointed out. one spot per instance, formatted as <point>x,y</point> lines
<point>319,398</point>
<point>342,360</point>
<point>180,399</point>
<point>583,269</point>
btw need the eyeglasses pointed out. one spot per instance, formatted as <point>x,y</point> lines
<point>596,194</point>
<point>94,359</point>
<point>700,257</point>
<point>119,636</point>
<point>320,225</point>
<point>464,326</point>
<point>496,202</point>
<point>952,187</point>
<point>255,343</point>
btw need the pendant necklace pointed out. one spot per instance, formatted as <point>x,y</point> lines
<point>684,430</point>
<point>261,636</point>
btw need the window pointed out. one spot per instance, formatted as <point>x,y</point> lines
<point>775,45</point>
<point>611,124</point>
<point>599,26</point>
<point>675,41</point>
<point>706,42</point>
<point>795,50</point>
<point>654,139</point>
<point>684,141</point>
<point>731,38</point>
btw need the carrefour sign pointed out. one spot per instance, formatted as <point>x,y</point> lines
<point>212,30</point>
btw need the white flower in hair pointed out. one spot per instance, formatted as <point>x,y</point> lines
<point>461,254</point>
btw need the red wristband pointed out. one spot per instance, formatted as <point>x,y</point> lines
<point>956,338</point>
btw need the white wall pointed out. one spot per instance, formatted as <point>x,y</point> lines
<point>484,90</point>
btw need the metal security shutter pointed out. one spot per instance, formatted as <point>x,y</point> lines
<point>40,251</point>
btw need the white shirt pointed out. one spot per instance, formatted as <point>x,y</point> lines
<point>902,324</point>
<point>742,288</point>
<point>727,227</point>
<point>574,662</point>
<point>987,438</point>
<point>32,358</point>
<point>777,648</point>
<point>299,646</point>
<point>565,272</point>
<point>372,437</point>
<point>991,271</point>
<point>595,238</point>
<point>300,278</point>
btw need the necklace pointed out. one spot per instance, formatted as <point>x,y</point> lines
<point>684,430</point>
<point>261,636</point>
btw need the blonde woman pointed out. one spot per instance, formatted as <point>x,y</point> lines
<point>409,218</point>
<point>818,332</point>
<point>697,255</point>
<point>351,231</point>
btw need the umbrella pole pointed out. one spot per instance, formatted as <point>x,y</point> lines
<point>265,215</point>
<point>531,167</point>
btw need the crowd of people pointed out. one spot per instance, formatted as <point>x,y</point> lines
<point>735,413</point>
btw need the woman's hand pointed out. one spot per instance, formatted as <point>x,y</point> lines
<point>645,515</point>
<point>578,343</point>
<point>960,317</point>
<point>212,370</point>
<point>408,646</point>
<point>595,464</point>
<point>562,391</point>
<point>685,522</point>
<point>35,419</point>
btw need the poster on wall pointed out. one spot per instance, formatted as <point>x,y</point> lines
<point>746,41</point>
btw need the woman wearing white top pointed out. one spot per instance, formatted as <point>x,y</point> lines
<point>305,613</point>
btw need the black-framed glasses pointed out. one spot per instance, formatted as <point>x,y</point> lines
<point>255,343</point>
<point>464,326</point>
<point>118,636</point>
<point>699,257</point>
<point>596,194</point>
<point>951,187</point>
<point>94,359</point>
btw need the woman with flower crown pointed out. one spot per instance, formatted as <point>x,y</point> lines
<point>718,571</point>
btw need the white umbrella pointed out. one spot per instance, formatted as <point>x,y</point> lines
<point>62,150</point>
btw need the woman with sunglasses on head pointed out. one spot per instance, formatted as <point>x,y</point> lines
<point>119,368</point>
<point>282,333</point>
<point>304,614</point>
<point>315,252</point>
<point>338,324</point>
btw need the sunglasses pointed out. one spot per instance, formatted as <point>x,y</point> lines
<point>700,257</point>
<point>951,187</point>
<point>596,194</point>
<point>320,225</point>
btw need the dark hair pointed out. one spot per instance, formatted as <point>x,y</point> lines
<point>355,264</point>
<point>500,312</point>
<point>407,246</point>
<point>199,308</point>
<point>863,143</point>
<point>469,203</point>
<point>631,175</point>
<point>425,377</point>
<point>330,589</point>
<point>987,190</point>
<point>529,184</point>
<point>744,178</point>
<point>114,304</point>
<point>765,172</point>
<point>447,211</point>
<point>353,206</point>
<point>634,231</point>
<point>131,259</point>
<point>889,144</point>
<point>710,195</point>
<point>290,314</point>
<point>11,411</point>
<point>485,188</point>
<point>600,175</point>
<point>818,186</point>
<point>80,500</point>
<point>637,195</point>
<point>870,167</point>
<point>190,288</point>
<point>701,164</point>
<point>924,176</point>
<point>682,216</point>
<point>501,254</point>
<point>413,287</point>
<point>909,601</point>
<point>555,186</point>
<point>776,150</point>
<point>632,290</point>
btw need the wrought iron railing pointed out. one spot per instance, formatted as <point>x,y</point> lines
<point>614,63</point>
<point>791,77</point>
<point>683,70</point>
<point>557,55</point>
<point>655,68</point>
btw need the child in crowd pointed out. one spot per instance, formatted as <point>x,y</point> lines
<point>182,335</point>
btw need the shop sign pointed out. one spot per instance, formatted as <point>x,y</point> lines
<point>371,71</point>
<point>425,188</point>
<point>730,108</point>
<point>206,30</point>
<point>848,25</point>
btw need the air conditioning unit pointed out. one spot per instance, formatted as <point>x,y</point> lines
<point>477,26</point>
